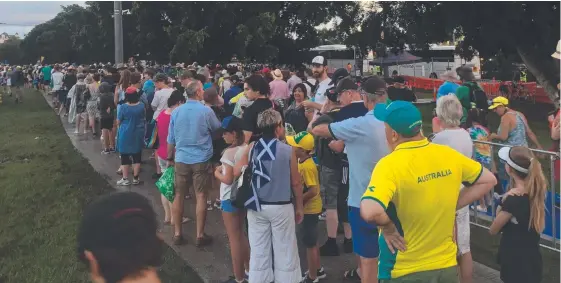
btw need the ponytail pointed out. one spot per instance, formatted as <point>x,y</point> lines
<point>537,187</point>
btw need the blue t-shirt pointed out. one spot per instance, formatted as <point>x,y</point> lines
<point>131,128</point>
<point>190,130</point>
<point>446,88</point>
<point>231,93</point>
<point>149,89</point>
<point>365,142</point>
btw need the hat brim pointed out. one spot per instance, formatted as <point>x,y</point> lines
<point>556,55</point>
<point>380,112</point>
<point>495,105</point>
<point>292,142</point>
<point>504,154</point>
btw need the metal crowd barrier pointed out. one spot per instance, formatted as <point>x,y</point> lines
<point>550,234</point>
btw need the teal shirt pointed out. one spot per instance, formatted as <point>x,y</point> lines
<point>47,73</point>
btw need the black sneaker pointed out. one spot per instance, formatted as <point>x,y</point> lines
<point>348,246</point>
<point>156,176</point>
<point>320,274</point>
<point>309,280</point>
<point>330,248</point>
<point>105,151</point>
<point>112,150</point>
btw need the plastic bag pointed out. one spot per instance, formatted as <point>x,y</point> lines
<point>166,184</point>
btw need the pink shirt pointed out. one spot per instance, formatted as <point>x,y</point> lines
<point>163,128</point>
<point>279,90</point>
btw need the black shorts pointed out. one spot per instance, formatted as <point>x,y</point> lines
<point>106,123</point>
<point>343,196</point>
<point>309,230</point>
<point>46,82</point>
<point>61,94</point>
<point>128,159</point>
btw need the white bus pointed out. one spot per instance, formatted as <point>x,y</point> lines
<point>437,60</point>
<point>338,56</point>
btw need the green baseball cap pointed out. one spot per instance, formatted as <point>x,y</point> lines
<point>402,116</point>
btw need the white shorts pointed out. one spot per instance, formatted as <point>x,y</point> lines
<point>463,232</point>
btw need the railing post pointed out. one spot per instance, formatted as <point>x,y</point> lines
<point>551,192</point>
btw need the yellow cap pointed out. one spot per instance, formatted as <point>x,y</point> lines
<point>303,140</point>
<point>498,101</point>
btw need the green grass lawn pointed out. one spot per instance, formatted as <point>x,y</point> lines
<point>44,185</point>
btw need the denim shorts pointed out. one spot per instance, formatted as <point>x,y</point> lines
<point>227,206</point>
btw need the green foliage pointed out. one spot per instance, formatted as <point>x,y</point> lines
<point>526,30</point>
<point>187,31</point>
<point>11,52</point>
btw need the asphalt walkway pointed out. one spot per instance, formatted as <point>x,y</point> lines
<point>213,263</point>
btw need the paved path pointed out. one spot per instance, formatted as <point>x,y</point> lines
<point>211,263</point>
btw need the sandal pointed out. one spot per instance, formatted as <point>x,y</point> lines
<point>205,240</point>
<point>352,275</point>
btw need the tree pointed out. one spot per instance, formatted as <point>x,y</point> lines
<point>528,30</point>
<point>276,32</point>
<point>10,51</point>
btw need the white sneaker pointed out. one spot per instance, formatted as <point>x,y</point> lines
<point>123,182</point>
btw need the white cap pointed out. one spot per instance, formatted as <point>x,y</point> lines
<point>504,155</point>
<point>319,60</point>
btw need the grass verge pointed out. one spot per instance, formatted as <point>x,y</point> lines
<point>44,185</point>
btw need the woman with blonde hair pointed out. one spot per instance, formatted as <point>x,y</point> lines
<point>521,217</point>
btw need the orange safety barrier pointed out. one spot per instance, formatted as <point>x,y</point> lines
<point>490,88</point>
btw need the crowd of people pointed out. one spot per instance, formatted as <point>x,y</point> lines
<point>277,151</point>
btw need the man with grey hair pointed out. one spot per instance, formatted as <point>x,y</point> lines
<point>190,149</point>
<point>365,144</point>
<point>449,111</point>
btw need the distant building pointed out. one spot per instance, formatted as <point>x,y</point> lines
<point>4,37</point>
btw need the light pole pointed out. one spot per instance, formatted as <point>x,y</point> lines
<point>118,19</point>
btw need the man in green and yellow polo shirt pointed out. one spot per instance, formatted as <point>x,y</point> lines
<point>413,196</point>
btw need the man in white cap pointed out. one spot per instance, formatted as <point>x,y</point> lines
<point>319,71</point>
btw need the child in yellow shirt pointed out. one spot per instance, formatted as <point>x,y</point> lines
<point>303,143</point>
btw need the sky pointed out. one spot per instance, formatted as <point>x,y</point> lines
<point>21,16</point>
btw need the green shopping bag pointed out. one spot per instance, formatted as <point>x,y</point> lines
<point>166,184</point>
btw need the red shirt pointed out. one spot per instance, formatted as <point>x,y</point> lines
<point>163,128</point>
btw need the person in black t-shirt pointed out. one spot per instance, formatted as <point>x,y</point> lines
<point>257,90</point>
<point>521,217</point>
<point>398,91</point>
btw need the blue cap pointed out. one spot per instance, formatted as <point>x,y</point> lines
<point>231,123</point>
<point>402,116</point>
